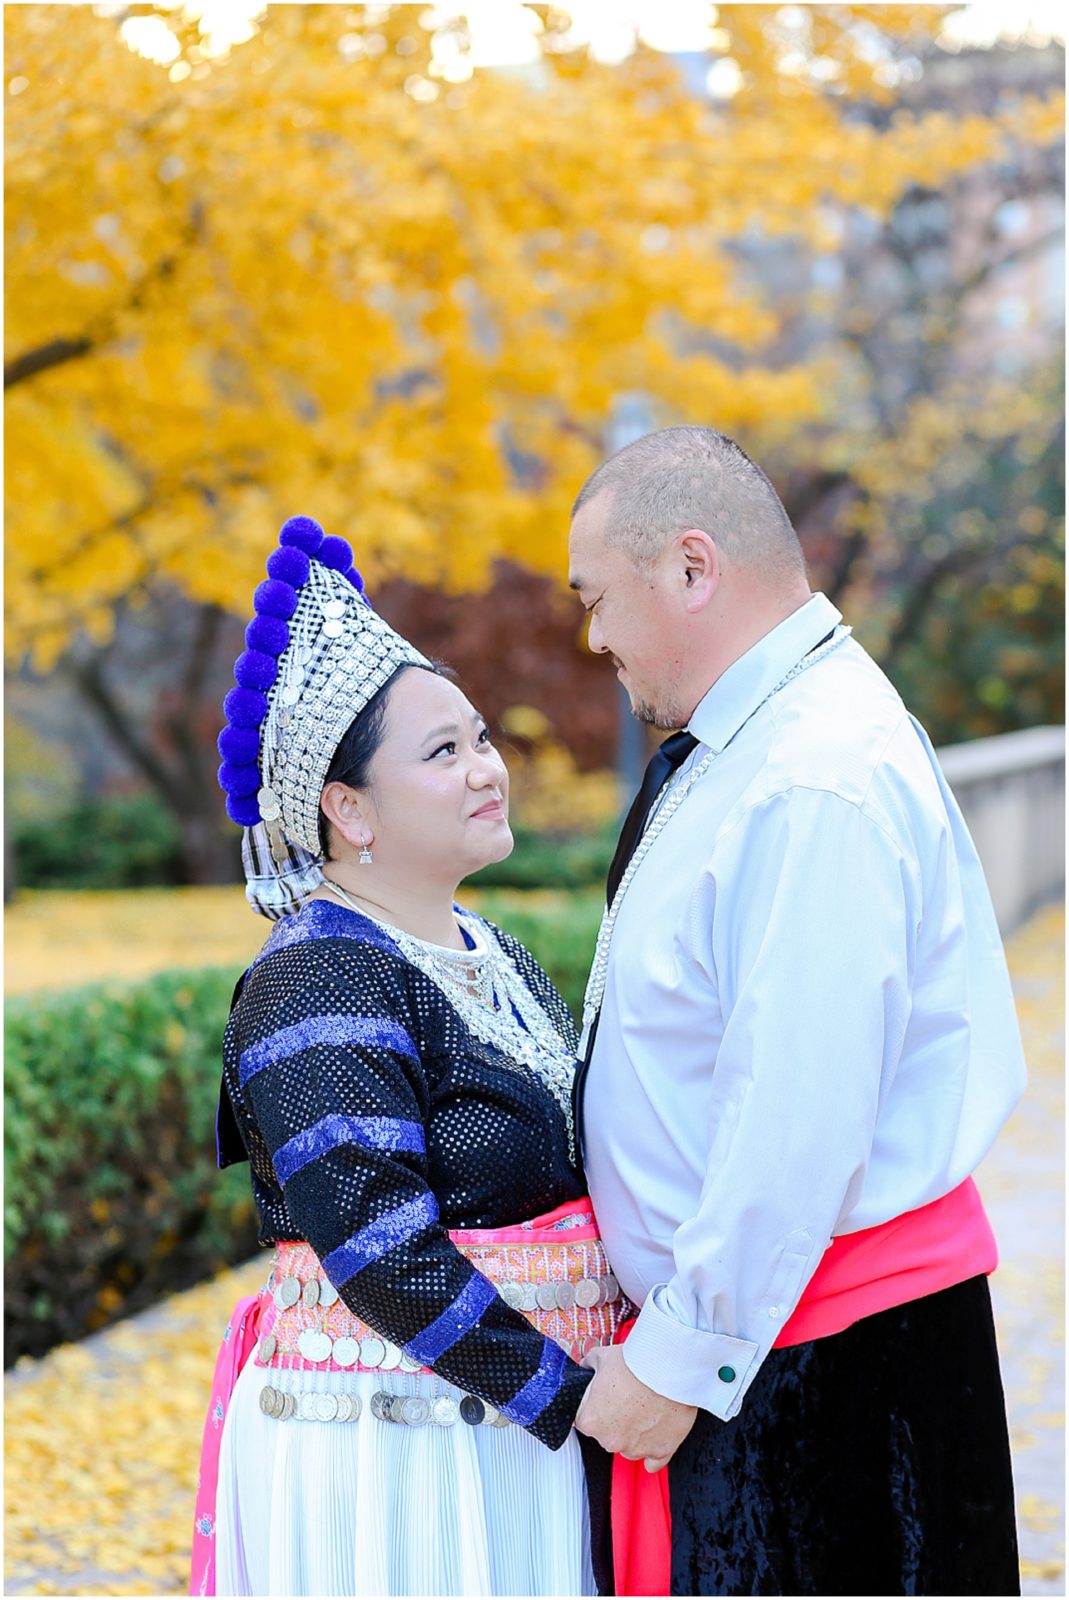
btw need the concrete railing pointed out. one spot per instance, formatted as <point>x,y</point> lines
<point>1011,790</point>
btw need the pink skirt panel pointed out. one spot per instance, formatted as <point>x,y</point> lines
<point>239,1341</point>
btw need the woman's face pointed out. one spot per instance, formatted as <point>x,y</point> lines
<point>438,797</point>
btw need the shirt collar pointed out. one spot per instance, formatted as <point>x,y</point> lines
<point>738,692</point>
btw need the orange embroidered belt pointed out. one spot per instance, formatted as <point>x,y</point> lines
<point>553,1270</point>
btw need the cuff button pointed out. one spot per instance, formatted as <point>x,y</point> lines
<point>726,1374</point>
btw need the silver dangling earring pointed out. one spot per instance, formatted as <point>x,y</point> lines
<point>364,857</point>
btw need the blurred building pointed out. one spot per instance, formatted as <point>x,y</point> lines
<point>1003,242</point>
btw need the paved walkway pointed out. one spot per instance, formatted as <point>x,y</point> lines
<point>102,1438</point>
<point>1022,1182</point>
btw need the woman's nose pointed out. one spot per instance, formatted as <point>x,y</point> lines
<point>487,769</point>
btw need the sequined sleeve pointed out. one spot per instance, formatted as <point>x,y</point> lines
<point>330,1078</point>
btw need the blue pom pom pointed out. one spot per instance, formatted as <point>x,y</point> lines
<point>239,745</point>
<point>355,579</point>
<point>245,708</point>
<point>335,553</point>
<point>238,780</point>
<point>275,599</point>
<point>255,670</point>
<point>243,810</point>
<point>289,564</point>
<point>303,533</point>
<point>268,634</point>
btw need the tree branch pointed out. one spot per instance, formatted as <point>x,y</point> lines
<point>181,721</point>
<point>88,677</point>
<point>853,548</point>
<point>1030,247</point>
<point>204,641</point>
<point>816,489</point>
<point>56,353</point>
<point>920,598</point>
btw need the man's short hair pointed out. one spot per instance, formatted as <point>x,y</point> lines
<point>690,477</point>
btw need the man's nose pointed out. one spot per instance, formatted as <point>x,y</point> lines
<point>595,638</point>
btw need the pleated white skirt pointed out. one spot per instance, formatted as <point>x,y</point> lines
<point>378,1508</point>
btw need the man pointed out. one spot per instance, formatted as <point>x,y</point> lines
<point>800,1043</point>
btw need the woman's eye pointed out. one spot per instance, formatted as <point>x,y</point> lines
<point>485,737</point>
<point>449,748</point>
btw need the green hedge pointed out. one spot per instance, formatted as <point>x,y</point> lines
<point>131,841</point>
<point>111,1194</point>
<point>552,861</point>
<point>112,1197</point>
<point>112,842</point>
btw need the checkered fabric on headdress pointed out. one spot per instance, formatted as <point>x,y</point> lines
<point>317,654</point>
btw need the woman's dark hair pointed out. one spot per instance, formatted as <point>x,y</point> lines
<point>351,763</point>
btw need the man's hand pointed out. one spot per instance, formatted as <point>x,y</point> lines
<point>626,1417</point>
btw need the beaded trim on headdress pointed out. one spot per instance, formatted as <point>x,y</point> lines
<point>317,654</point>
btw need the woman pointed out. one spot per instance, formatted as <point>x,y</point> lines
<point>398,1073</point>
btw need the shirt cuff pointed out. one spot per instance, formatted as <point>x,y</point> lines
<point>697,1368</point>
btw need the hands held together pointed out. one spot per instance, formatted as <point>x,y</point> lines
<point>627,1418</point>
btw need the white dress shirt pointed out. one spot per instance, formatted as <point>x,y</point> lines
<point>807,1026</point>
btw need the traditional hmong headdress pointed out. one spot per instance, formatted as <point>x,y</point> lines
<point>317,654</point>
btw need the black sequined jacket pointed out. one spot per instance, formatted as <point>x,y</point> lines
<point>374,1121</point>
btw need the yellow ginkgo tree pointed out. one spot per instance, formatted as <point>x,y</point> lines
<point>318,272</point>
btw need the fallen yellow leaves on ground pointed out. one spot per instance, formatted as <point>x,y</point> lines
<point>103,1441</point>
<point>59,938</point>
<point>1035,956</point>
<point>103,1447</point>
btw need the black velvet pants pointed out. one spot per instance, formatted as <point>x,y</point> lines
<point>873,1462</point>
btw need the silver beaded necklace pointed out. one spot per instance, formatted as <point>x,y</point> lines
<point>491,999</point>
<point>671,797</point>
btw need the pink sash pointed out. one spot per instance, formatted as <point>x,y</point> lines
<point>641,1519</point>
<point>239,1341</point>
<point>919,1253</point>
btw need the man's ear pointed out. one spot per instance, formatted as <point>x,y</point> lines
<point>699,568</point>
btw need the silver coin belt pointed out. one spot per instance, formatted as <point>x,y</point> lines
<point>411,1411</point>
<point>574,1298</point>
<point>667,803</point>
<point>360,1346</point>
<point>587,1293</point>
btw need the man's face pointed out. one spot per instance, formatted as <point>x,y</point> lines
<point>632,617</point>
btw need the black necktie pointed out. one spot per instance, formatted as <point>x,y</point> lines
<point>672,753</point>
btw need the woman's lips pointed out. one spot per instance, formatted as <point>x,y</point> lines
<point>492,812</point>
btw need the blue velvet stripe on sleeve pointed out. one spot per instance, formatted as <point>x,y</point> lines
<point>379,1237</point>
<point>373,1133</point>
<point>334,1029</point>
<point>538,1391</point>
<point>455,1321</point>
